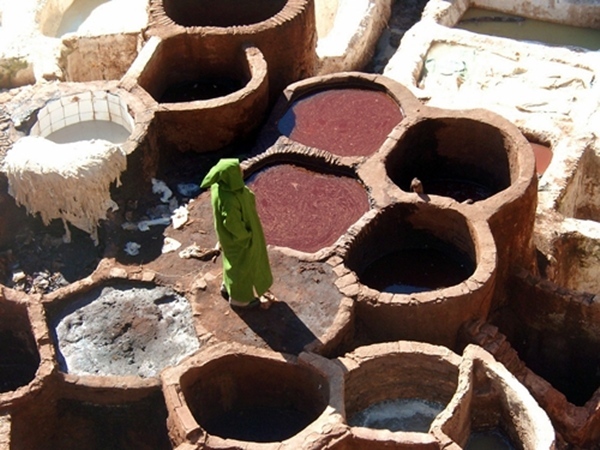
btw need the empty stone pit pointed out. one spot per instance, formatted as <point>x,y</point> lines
<point>204,103</point>
<point>461,158</point>
<point>253,398</point>
<point>391,387</point>
<point>19,356</point>
<point>346,121</point>
<point>122,329</point>
<point>419,254</point>
<point>306,210</point>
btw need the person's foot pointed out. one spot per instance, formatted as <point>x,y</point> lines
<point>244,305</point>
<point>267,299</point>
<point>224,292</point>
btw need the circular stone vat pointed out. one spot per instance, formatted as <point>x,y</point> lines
<point>403,257</point>
<point>121,329</point>
<point>205,103</point>
<point>344,121</point>
<point>252,398</point>
<point>456,157</point>
<point>85,116</point>
<point>221,13</point>
<point>19,357</point>
<point>421,266</point>
<point>306,210</point>
<point>398,387</point>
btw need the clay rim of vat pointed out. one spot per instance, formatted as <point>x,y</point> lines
<point>161,23</point>
<point>484,273</point>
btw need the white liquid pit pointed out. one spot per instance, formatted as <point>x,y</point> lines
<point>84,117</point>
<point>398,415</point>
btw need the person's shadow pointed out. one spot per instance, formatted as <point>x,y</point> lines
<point>279,327</point>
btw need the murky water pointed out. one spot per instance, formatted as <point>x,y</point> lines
<point>410,414</point>
<point>346,122</point>
<point>413,270</point>
<point>456,188</point>
<point>91,129</point>
<point>493,439</point>
<point>259,424</point>
<point>494,23</point>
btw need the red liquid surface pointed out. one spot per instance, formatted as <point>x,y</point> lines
<point>346,122</point>
<point>306,210</point>
<point>543,156</point>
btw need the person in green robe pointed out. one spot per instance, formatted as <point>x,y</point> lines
<point>246,269</point>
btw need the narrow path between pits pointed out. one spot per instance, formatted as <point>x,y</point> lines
<point>308,299</point>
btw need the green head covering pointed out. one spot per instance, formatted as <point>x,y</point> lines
<point>226,173</point>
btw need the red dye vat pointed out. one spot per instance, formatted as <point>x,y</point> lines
<point>346,122</point>
<point>306,210</point>
<point>543,156</point>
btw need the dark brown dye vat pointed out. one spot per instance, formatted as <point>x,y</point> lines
<point>489,439</point>
<point>76,425</point>
<point>204,88</point>
<point>346,122</point>
<point>259,424</point>
<point>306,210</point>
<point>221,13</point>
<point>543,157</point>
<point>458,189</point>
<point>18,363</point>
<point>418,269</point>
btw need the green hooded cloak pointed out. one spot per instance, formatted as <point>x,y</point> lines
<point>245,260</point>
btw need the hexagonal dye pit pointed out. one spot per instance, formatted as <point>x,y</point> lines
<point>405,257</point>
<point>19,357</point>
<point>461,158</point>
<point>248,398</point>
<point>82,424</point>
<point>344,121</point>
<point>396,390</point>
<point>124,329</point>
<point>306,210</point>
<point>221,13</point>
